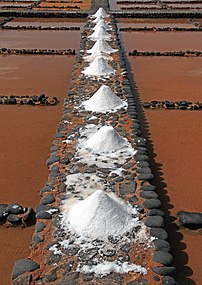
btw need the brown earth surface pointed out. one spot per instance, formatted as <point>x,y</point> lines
<point>25,140</point>
<point>40,39</point>
<point>174,146</point>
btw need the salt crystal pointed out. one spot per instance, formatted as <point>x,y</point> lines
<point>100,12</point>
<point>100,216</point>
<point>104,100</point>
<point>101,46</point>
<point>103,24</point>
<point>99,67</point>
<point>106,139</point>
<point>100,33</point>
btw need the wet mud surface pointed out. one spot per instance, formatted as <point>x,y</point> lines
<point>39,39</point>
<point>174,145</point>
<point>25,140</point>
<point>162,41</point>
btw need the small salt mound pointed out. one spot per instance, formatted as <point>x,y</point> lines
<point>101,46</point>
<point>99,67</point>
<point>104,100</point>
<point>90,58</point>
<point>100,216</point>
<point>100,33</point>
<point>103,24</point>
<point>106,139</point>
<point>100,12</point>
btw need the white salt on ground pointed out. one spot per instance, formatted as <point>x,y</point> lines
<point>100,33</point>
<point>103,24</point>
<point>101,46</point>
<point>100,216</point>
<point>90,58</point>
<point>106,139</point>
<point>100,12</point>
<point>104,100</point>
<point>107,267</point>
<point>99,67</point>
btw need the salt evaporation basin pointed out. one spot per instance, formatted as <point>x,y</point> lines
<point>103,24</point>
<point>106,140</point>
<point>100,33</point>
<point>99,67</point>
<point>100,13</point>
<point>101,46</point>
<point>99,216</point>
<point>104,100</point>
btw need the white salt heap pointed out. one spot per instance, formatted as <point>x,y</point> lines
<point>104,100</point>
<point>100,12</point>
<point>100,33</point>
<point>106,139</point>
<point>99,67</point>
<point>101,46</point>
<point>103,24</point>
<point>100,216</point>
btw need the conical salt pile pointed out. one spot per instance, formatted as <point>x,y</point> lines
<point>99,67</point>
<point>90,58</point>
<point>106,140</point>
<point>103,100</point>
<point>100,216</point>
<point>100,12</point>
<point>100,33</point>
<point>101,46</point>
<point>103,24</point>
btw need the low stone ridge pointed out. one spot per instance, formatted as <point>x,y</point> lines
<point>190,220</point>
<point>173,105</point>
<point>34,100</point>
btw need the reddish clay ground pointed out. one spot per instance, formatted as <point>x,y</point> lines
<point>39,39</point>
<point>85,5</point>
<point>175,140</point>
<point>162,41</point>
<point>25,139</point>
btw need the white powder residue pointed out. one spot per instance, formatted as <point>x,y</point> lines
<point>99,67</point>
<point>90,58</point>
<point>92,118</point>
<point>102,269</point>
<point>100,33</point>
<point>99,216</point>
<point>55,250</point>
<point>103,24</point>
<point>118,171</point>
<point>104,100</point>
<point>101,46</point>
<point>100,13</point>
<point>106,139</point>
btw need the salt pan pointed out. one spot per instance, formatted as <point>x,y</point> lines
<point>100,216</point>
<point>99,67</point>
<point>104,100</point>
<point>100,33</point>
<point>101,46</point>
<point>100,12</point>
<point>106,139</point>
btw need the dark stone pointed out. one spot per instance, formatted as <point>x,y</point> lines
<point>142,164</point>
<point>3,211</point>
<point>50,277</point>
<point>128,188</point>
<point>145,176</point>
<point>88,277</point>
<point>70,279</point>
<point>162,257</point>
<point>14,219</point>
<point>164,270</point>
<point>71,250</point>
<point>152,203</point>
<point>133,199</point>
<point>190,220</point>
<point>40,226</point>
<point>168,280</point>
<point>148,187</point>
<point>138,282</point>
<point>162,245</point>
<point>23,265</point>
<point>52,160</point>
<point>146,105</point>
<point>43,215</point>
<point>42,207</point>
<point>46,189</point>
<point>37,238</point>
<point>139,141</point>
<point>154,221</point>
<point>141,157</point>
<point>148,194</point>
<point>48,199</point>
<point>108,252</point>
<point>159,233</point>
<point>144,170</point>
<point>86,254</point>
<point>15,209</point>
<point>155,212</point>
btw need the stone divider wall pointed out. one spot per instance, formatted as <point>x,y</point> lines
<point>43,266</point>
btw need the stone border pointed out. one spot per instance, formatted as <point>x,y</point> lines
<point>172,14</point>
<point>34,100</point>
<point>43,14</point>
<point>20,27</point>
<point>37,51</point>
<point>188,53</point>
<point>172,105</point>
<point>160,29</point>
